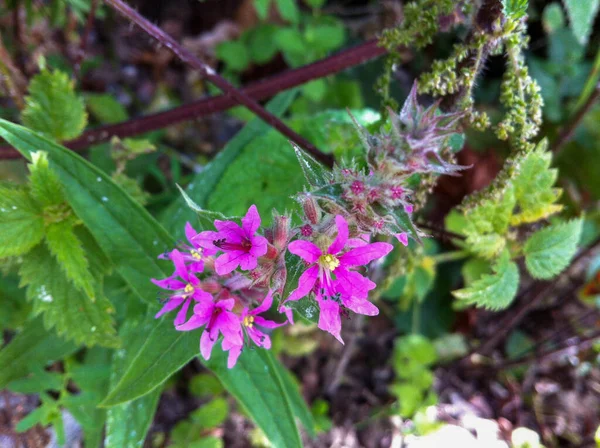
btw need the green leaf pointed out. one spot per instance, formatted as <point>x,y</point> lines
<point>290,41</point>
<point>34,347</point>
<point>205,384</point>
<point>262,8</point>
<point>129,236</point>
<point>235,54</point>
<point>45,186</point>
<point>21,222</point>
<point>68,250</point>
<point>493,291</point>
<point>206,218</point>
<point>53,108</point>
<point>533,185</point>
<point>128,423</point>
<point>211,415</point>
<point>550,250</point>
<point>204,183</point>
<point>515,9</point>
<point>315,3</point>
<point>290,383</point>
<point>38,381</point>
<point>325,37</point>
<point>288,10</point>
<point>315,173</point>
<point>553,18</point>
<point>256,384</point>
<point>64,307</point>
<point>163,353</point>
<point>306,307</point>
<point>265,174</point>
<point>105,108</point>
<point>581,17</point>
<point>261,41</point>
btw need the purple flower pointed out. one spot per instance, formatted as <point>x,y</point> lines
<point>218,318</point>
<point>252,323</point>
<point>331,277</point>
<point>193,254</point>
<point>241,245</point>
<point>185,288</point>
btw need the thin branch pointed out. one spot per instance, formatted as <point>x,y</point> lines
<point>567,133</point>
<point>512,320</point>
<point>260,90</point>
<point>208,73</point>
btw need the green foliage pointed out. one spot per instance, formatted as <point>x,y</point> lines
<point>234,54</point>
<point>550,250</point>
<point>581,17</point>
<point>69,310</point>
<point>265,173</point>
<point>21,222</point>
<point>493,291</point>
<point>553,18</point>
<point>45,185</point>
<point>105,108</point>
<point>53,108</point>
<point>515,9</point>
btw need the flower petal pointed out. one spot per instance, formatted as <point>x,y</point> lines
<point>265,305</point>
<point>360,256</point>
<point>168,283</point>
<point>172,303</point>
<point>259,246</point>
<point>190,233</point>
<point>179,263</point>
<point>229,230</point>
<point>329,318</point>
<point>403,238</point>
<point>351,283</point>
<point>228,262</point>
<point>360,306</point>
<point>251,222</point>
<point>195,321</point>
<point>205,239</point>
<point>262,322</point>
<point>342,235</point>
<point>306,250</point>
<point>182,314</point>
<point>234,352</point>
<point>206,344</point>
<point>248,262</point>
<point>305,283</point>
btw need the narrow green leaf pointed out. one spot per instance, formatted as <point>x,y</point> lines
<point>128,423</point>
<point>36,382</point>
<point>127,233</point>
<point>33,347</point>
<point>306,307</point>
<point>493,291</point>
<point>298,403</point>
<point>71,312</point>
<point>550,250</point>
<point>515,9</point>
<point>316,174</point>
<point>204,182</point>
<point>68,250</point>
<point>257,385</point>
<point>53,108</point>
<point>21,222</point>
<point>581,17</point>
<point>206,218</point>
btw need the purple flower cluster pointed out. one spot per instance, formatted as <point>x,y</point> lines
<point>231,275</point>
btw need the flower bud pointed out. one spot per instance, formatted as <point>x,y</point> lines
<point>311,210</point>
<point>281,235</point>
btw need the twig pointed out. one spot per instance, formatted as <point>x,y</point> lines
<point>347,353</point>
<point>207,72</point>
<point>440,231</point>
<point>543,288</point>
<point>263,89</point>
<point>86,36</point>
<point>567,133</point>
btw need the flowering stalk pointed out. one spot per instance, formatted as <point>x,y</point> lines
<point>232,274</point>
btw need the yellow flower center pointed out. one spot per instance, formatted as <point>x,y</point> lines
<point>249,321</point>
<point>329,261</point>
<point>197,254</point>
<point>188,289</point>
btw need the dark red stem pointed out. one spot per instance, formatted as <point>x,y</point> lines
<point>261,90</point>
<point>212,76</point>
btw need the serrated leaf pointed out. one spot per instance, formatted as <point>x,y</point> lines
<point>533,185</point>
<point>105,108</point>
<point>65,308</point>
<point>581,17</point>
<point>45,186</point>
<point>315,173</point>
<point>206,218</point>
<point>21,222</point>
<point>493,291</point>
<point>34,347</point>
<point>515,9</point>
<point>550,250</point>
<point>53,108</point>
<point>405,223</point>
<point>265,174</point>
<point>68,251</point>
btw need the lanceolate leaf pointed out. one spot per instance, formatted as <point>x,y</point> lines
<point>581,17</point>
<point>33,347</point>
<point>493,291</point>
<point>316,174</point>
<point>45,186</point>
<point>21,222</point>
<point>515,9</point>
<point>127,233</point>
<point>204,182</point>
<point>306,307</point>
<point>549,251</point>
<point>206,218</point>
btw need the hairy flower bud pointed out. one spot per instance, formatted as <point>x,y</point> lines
<point>311,210</point>
<point>281,236</point>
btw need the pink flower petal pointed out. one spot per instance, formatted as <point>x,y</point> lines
<point>305,283</point>
<point>228,262</point>
<point>168,283</point>
<point>172,303</point>
<point>265,305</point>
<point>195,321</point>
<point>361,256</point>
<point>342,236</point>
<point>262,322</point>
<point>229,230</point>
<point>251,222</point>
<point>205,239</point>
<point>248,262</point>
<point>234,352</point>
<point>403,238</point>
<point>182,314</point>
<point>306,250</point>
<point>206,344</point>
<point>259,246</point>
<point>190,233</point>
<point>351,283</point>
<point>179,263</point>
<point>360,306</point>
<point>329,318</point>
